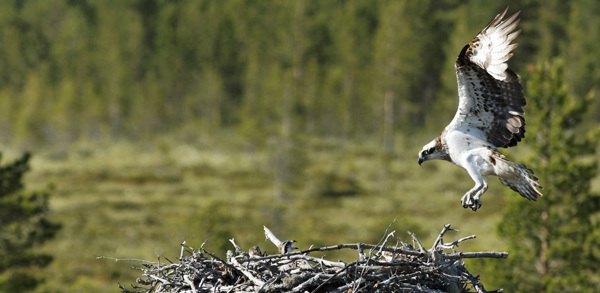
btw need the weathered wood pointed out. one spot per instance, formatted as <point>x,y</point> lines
<point>382,269</point>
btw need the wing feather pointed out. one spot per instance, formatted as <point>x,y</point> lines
<point>492,45</point>
<point>491,97</point>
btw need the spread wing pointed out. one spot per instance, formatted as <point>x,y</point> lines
<point>490,96</point>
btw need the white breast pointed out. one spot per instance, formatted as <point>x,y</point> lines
<point>465,147</point>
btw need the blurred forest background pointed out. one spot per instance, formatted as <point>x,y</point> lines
<point>152,122</point>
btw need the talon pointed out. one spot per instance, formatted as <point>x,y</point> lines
<point>467,201</point>
<point>476,205</point>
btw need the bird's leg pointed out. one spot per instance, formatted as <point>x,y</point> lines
<point>472,198</point>
<point>476,198</point>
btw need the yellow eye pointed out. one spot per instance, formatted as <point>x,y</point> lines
<point>425,153</point>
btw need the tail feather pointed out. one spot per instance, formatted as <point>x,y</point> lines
<point>522,181</point>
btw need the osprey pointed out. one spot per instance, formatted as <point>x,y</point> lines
<point>489,115</point>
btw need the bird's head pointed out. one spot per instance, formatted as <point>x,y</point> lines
<point>286,246</point>
<point>433,150</point>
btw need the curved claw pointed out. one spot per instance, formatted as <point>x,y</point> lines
<point>476,206</point>
<point>469,202</point>
<point>466,201</point>
<point>476,203</point>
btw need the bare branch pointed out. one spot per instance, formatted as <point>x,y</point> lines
<point>125,259</point>
<point>246,272</point>
<point>272,237</point>
<point>238,250</point>
<point>491,254</point>
<point>414,237</point>
<point>405,269</point>
<point>182,250</point>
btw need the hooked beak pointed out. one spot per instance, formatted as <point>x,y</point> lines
<point>421,160</point>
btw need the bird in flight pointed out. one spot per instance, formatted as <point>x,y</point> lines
<point>489,115</point>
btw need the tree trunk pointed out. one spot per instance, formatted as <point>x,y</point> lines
<point>388,130</point>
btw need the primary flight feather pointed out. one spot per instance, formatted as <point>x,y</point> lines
<point>489,116</point>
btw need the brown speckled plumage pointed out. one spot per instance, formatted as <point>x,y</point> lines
<point>489,115</point>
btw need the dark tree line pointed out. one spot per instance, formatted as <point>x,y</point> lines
<point>273,71</point>
<point>74,70</point>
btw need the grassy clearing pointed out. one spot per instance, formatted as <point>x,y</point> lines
<point>128,201</point>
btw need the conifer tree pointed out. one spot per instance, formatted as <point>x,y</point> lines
<point>552,243</point>
<point>397,48</point>
<point>582,70</point>
<point>23,224</point>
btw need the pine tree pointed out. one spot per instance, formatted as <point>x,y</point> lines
<point>397,48</point>
<point>552,243</point>
<point>582,27</point>
<point>23,224</point>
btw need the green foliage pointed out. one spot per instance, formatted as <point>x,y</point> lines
<point>551,242</point>
<point>582,74</point>
<point>128,201</point>
<point>107,69</point>
<point>74,70</point>
<point>272,78</point>
<point>214,224</point>
<point>23,224</point>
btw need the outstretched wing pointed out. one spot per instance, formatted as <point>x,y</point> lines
<point>490,96</point>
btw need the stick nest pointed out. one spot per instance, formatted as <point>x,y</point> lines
<point>379,268</point>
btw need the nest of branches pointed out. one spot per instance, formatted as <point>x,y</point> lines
<point>378,268</point>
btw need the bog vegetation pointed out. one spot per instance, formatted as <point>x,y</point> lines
<point>162,121</point>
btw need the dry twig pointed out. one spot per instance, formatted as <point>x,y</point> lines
<point>391,269</point>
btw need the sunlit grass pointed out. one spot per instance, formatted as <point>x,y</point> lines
<point>128,201</point>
